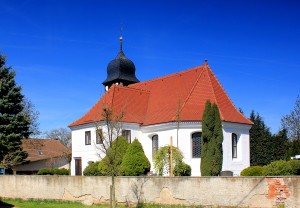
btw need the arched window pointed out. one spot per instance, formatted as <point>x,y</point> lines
<point>154,144</point>
<point>196,145</point>
<point>234,145</point>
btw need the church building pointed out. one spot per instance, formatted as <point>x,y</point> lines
<point>157,109</point>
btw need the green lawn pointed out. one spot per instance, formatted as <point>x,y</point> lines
<point>18,203</point>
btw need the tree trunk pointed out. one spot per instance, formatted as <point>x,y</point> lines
<point>113,194</point>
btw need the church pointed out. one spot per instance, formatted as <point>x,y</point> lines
<point>161,108</point>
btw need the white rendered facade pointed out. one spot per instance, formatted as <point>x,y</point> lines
<point>144,134</point>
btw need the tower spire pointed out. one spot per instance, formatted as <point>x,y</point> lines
<point>121,38</point>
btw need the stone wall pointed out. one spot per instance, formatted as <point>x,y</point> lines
<point>222,191</point>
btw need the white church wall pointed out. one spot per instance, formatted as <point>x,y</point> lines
<point>236,165</point>
<point>164,131</point>
<point>87,153</point>
<point>93,152</point>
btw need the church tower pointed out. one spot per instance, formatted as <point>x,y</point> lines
<point>120,71</point>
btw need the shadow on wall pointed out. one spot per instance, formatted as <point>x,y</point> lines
<point>5,205</point>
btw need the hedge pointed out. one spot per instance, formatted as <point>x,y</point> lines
<point>53,171</point>
<point>276,168</point>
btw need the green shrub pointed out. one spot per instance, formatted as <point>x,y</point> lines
<point>60,171</point>
<point>45,171</point>
<point>113,159</point>
<point>182,169</point>
<point>161,159</point>
<point>92,169</point>
<point>295,166</point>
<point>253,171</point>
<point>135,162</point>
<point>278,168</point>
<point>53,171</point>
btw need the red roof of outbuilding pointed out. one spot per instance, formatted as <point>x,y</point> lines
<point>158,100</point>
<point>41,149</point>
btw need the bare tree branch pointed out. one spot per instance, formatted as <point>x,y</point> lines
<point>291,122</point>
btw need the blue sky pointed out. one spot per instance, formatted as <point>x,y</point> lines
<point>60,49</point>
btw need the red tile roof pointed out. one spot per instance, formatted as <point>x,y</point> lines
<point>41,149</point>
<point>157,100</point>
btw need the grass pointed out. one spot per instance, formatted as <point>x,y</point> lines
<point>19,203</point>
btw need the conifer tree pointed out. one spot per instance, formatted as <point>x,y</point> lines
<point>14,123</point>
<point>218,140</point>
<point>261,144</point>
<point>135,162</point>
<point>207,125</point>
<point>110,165</point>
<point>280,145</point>
<point>212,139</point>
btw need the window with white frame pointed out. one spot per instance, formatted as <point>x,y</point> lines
<point>88,138</point>
<point>154,144</point>
<point>196,145</point>
<point>234,139</point>
<point>127,135</point>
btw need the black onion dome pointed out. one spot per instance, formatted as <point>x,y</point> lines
<point>121,69</point>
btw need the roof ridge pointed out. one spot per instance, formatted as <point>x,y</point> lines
<point>214,93</point>
<point>193,88</point>
<point>132,88</point>
<point>225,94</point>
<point>167,76</point>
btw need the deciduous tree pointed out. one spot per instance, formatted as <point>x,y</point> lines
<point>291,122</point>
<point>62,134</point>
<point>109,141</point>
<point>65,137</point>
<point>33,115</point>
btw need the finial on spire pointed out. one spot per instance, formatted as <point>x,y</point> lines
<point>121,38</point>
<point>205,62</point>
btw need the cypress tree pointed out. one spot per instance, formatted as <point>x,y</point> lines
<point>211,144</point>
<point>135,162</point>
<point>218,140</point>
<point>111,163</point>
<point>14,123</point>
<point>206,136</point>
